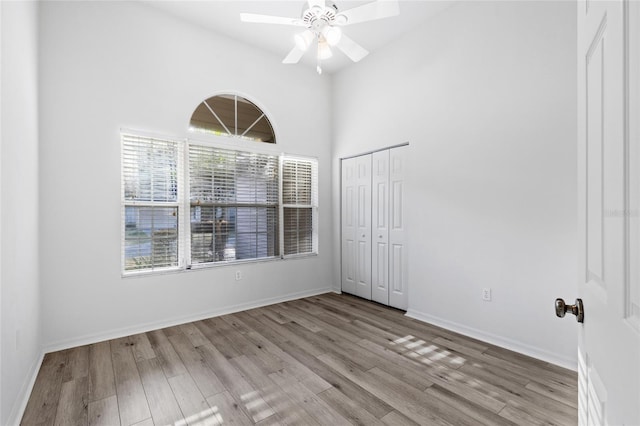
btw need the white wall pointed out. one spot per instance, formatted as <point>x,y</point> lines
<point>20,295</point>
<point>485,93</point>
<point>107,65</point>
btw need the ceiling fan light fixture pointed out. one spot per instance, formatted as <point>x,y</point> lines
<point>332,34</point>
<point>340,20</point>
<point>304,39</point>
<point>324,51</point>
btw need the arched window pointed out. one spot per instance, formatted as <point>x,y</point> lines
<point>189,203</point>
<point>232,115</point>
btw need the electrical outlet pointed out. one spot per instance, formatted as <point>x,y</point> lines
<point>238,275</point>
<point>486,294</point>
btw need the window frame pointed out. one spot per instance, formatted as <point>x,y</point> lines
<point>184,201</point>
<point>187,176</point>
<point>124,134</point>
<point>313,204</point>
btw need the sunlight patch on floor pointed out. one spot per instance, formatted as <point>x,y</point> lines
<point>255,405</point>
<point>426,353</point>
<point>402,340</point>
<point>207,417</point>
<point>288,412</point>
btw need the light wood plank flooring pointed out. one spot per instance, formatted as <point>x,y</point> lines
<point>329,359</point>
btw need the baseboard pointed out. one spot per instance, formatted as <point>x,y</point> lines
<point>513,345</point>
<point>20,405</point>
<point>143,328</point>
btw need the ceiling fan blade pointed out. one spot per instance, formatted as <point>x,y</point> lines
<point>294,56</point>
<point>319,3</point>
<point>268,19</point>
<point>352,49</point>
<point>378,9</point>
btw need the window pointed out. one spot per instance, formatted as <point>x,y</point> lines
<point>191,204</point>
<point>232,115</point>
<point>150,192</point>
<point>234,204</point>
<point>299,202</point>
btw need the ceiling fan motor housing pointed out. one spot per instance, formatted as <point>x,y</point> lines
<point>316,18</point>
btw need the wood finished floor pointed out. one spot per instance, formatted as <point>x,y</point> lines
<point>328,360</point>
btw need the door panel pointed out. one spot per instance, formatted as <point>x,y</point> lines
<point>397,275</point>
<point>356,226</point>
<point>595,110</point>
<point>363,213</point>
<point>592,393</point>
<point>632,311</point>
<point>398,297</point>
<point>363,227</point>
<point>609,343</point>
<point>380,232</point>
<point>350,214</point>
<point>350,266</point>
<point>348,225</point>
<point>380,205</point>
<point>380,291</point>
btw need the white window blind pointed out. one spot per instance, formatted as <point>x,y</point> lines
<point>299,205</point>
<point>238,205</point>
<point>151,173</point>
<point>233,204</point>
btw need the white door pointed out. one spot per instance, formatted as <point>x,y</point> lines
<point>363,226</point>
<point>608,184</point>
<point>397,229</point>
<point>349,225</point>
<point>380,224</point>
<point>356,226</point>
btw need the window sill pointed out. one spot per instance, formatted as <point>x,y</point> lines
<point>205,266</point>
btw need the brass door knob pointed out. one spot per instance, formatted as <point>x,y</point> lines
<point>577,309</point>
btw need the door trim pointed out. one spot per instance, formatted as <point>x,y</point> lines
<point>370,152</point>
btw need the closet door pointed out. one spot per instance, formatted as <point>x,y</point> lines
<point>349,189</point>
<point>363,226</point>
<point>380,227</point>
<point>374,258</point>
<point>397,229</point>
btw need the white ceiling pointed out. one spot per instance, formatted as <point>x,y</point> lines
<point>223,16</point>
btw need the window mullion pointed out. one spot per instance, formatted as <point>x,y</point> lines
<point>235,113</point>
<point>281,207</point>
<point>314,206</point>
<point>184,231</point>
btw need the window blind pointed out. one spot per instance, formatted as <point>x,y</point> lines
<point>151,169</point>
<point>299,205</point>
<point>239,205</point>
<point>233,199</point>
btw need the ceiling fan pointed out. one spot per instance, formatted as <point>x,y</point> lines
<point>323,22</point>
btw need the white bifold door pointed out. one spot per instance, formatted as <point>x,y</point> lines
<point>356,226</point>
<point>374,258</point>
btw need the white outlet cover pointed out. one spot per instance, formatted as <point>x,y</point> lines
<point>486,294</point>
